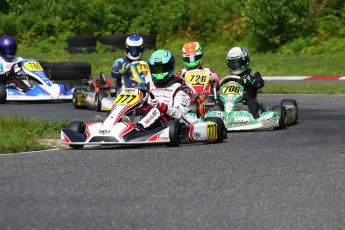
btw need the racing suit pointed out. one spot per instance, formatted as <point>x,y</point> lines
<point>173,103</point>
<point>252,82</point>
<point>211,72</point>
<point>121,69</point>
<point>8,76</point>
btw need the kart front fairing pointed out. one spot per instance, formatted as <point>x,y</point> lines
<point>114,131</point>
<point>41,88</point>
<point>235,117</point>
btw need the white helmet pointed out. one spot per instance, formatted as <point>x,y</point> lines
<point>237,60</point>
<point>134,47</point>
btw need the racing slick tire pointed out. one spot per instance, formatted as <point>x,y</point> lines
<point>98,100</point>
<point>82,44</point>
<point>292,110</point>
<point>3,94</point>
<point>281,111</point>
<point>117,41</point>
<point>175,133</point>
<point>221,130</point>
<point>76,98</point>
<point>78,127</point>
<point>67,71</point>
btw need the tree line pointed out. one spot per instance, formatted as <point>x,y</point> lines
<point>263,25</point>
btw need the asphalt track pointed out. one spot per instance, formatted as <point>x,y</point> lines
<point>287,179</point>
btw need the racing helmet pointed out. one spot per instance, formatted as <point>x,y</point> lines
<point>134,47</point>
<point>8,47</point>
<point>192,55</point>
<point>162,66</point>
<point>237,60</point>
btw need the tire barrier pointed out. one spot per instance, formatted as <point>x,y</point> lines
<point>117,41</point>
<point>67,71</point>
<point>82,44</point>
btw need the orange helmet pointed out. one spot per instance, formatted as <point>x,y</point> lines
<point>192,55</point>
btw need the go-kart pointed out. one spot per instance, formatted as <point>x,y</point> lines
<point>237,117</point>
<point>115,130</point>
<point>202,92</point>
<point>102,94</point>
<point>40,87</point>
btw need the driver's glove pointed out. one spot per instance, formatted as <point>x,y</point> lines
<point>160,106</point>
<point>212,78</point>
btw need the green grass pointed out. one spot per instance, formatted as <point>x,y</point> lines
<point>20,134</point>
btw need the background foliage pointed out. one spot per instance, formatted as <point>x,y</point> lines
<point>258,24</point>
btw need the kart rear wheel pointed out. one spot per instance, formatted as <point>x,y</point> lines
<point>175,133</point>
<point>281,111</point>
<point>292,110</point>
<point>221,130</point>
<point>77,95</point>
<point>98,100</point>
<point>78,127</point>
<point>3,94</point>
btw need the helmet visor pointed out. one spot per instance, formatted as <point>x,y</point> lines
<point>235,64</point>
<point>134,50</point>
<point>160,71</point>
<point>9,50</point>
<point>191,58</point>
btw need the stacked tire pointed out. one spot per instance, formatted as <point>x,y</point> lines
<point>82,44</point>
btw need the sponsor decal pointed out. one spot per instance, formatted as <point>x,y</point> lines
<point>104,131</point>
<point>197,135</point>
<point>270,123</point>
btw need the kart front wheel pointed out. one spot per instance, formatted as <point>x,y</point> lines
<point>221,130</point>
<point>281,111</point>
<point>291,109</point>
<point>77,99</point>
<point>98,100</point>
<point>79,127</point>
<point>175,133</point>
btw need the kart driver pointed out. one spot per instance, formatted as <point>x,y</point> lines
<point>170,101</point>
<point>192,57</point>
<point>238,63</point>
<point>134,51</point>
<point>8,50</point>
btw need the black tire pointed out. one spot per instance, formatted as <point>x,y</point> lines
<point>281,111</point>
<point>98,100</point>
<point>149,41</point>
<point>114,40</point>
<point>82,41</point>
<point>3,94</point>
<point>67,70</point>
<point>78,127</point>
<point>292,110</point>
<point>175,133</point>
<point>221,130</point>
<point>82,44</point>
<point>75,100</point>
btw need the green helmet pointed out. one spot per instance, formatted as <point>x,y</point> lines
<point>162,65</point>
<point>237,60</point>
<point>192,55</point>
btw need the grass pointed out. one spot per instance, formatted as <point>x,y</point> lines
<point>20,134</point>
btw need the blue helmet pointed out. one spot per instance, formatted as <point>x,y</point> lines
<point>162,65</point>
<point>134,47</point>
<point>8,47</point>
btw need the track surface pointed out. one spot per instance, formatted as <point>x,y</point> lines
<point>288,179</point>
